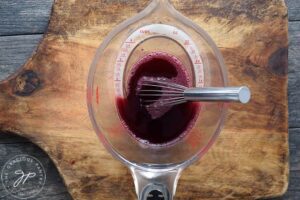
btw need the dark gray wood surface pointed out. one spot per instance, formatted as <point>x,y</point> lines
<point>14,52</point>
<point>294,8</point>
<point>294,73</point>
<point>24,17</point>
<point>22,24</point>
<point>54,187</point>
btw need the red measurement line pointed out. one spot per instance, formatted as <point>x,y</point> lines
<point>97,95</point>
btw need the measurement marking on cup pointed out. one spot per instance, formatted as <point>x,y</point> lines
<point>154,30</point>
<point>198,61</point>
<point>97,95</point>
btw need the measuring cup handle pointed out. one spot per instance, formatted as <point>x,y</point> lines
<point>155,191</point>
<point>151,183</point>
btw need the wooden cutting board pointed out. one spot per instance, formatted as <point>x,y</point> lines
<point>46,100</point>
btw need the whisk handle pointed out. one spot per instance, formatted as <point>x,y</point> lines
<point>239,94</point>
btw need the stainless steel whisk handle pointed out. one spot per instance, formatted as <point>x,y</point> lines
<point>240,94</point>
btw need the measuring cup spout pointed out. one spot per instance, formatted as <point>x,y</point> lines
<point>163,1</point>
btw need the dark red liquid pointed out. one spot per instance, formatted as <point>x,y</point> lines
<point>164,125</point>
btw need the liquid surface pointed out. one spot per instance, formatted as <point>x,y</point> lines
<point>163,125</point>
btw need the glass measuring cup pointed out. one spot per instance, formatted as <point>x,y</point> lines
<point>157,28</point>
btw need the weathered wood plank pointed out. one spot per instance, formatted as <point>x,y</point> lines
<point>293,195</point>
<point>14,52</point>
<point>294,74</point>
<point>294,9</point>
<point>54,187</point>
<point>294,107</point>
<point>294,181</point>
<point>24,17</point>
<point>294,139</point>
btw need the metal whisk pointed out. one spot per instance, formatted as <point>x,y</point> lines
<point>161,92</point>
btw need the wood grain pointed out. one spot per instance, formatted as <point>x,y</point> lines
<point>41,102</point>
